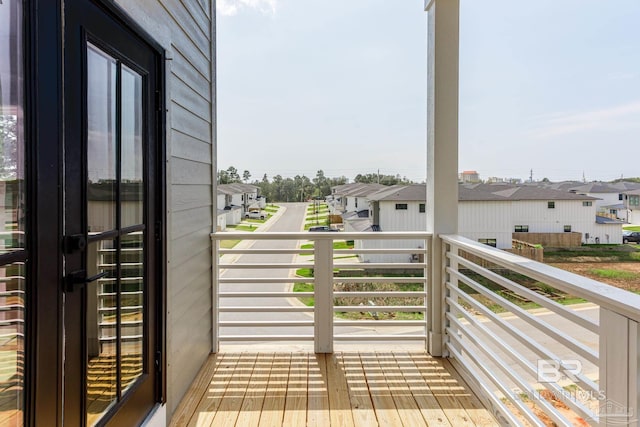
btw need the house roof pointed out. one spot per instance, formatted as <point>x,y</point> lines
<point>360,224</point>
<point>236,188</point>
<point>607,220</point>
<point>357,189</point>
<point>633,192</point>
<point>405,193</point>
<point>509,192</point>
<point>606,187</point>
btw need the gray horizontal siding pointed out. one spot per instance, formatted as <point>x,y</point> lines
<point>182,27</point>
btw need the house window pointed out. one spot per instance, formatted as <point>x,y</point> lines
<point>619,196</point>
<point>521,229</point>
<point>567,229</point>
<point>401,206</point>
<point>489,242</point>
<point>356,202</point>
<point>551,205</point>
<point>613,211</point>
<point>589,203</point>
<point>422,208</point>
<point>634,200</point>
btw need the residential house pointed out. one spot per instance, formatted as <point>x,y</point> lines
<point>632,206</point>
<point>348,198</point>
<point>469,177</point>
<point>491,213</point>
<point>245,195</point>
<point>393,208</point>
<point>610,197</point>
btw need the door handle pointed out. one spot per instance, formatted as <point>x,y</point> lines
<point>78,278</point>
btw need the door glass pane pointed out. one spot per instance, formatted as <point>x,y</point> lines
<point>132,307</point>
<point>12,197</point>
<point>101,314</point>
<point>101,140</point>
<point>131,119</point>
<point>12,220</point>
<point>12,317</point>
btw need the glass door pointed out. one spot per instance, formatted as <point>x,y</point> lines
<point>112,221</point>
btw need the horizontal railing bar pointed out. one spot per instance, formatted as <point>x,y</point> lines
<point>549,330</point>
<point>311,235</point>
<point>379,337</point>
<point>265,251</point>
<point>378,308</point>
<point>123,307</point>
<point>266,337</point>
<point>418,280</point>
<point>518,335</point>
<point>263,309</point>
<point>531,295</point>
<point>488,391</point>
<point>388,294</point>
<point>518,357</point>
<point>248,323</point>
<point>370,265</point>
<point>379,323</point>
<point>275,265</point>
<point>265,280</point>
<point>390,251</point>
<point>123,337</point>
<point>617,300</point>
<point>508,394</point>
<point>265,294</point>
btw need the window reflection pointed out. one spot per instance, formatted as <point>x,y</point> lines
<point>12,210</point>
<point>101,140</point>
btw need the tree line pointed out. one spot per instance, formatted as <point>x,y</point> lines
<point>300,187</point>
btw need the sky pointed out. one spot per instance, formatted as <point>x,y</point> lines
<point>549,88</point>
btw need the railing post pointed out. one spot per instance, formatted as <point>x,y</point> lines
<point>619,368</point>
<point>215,295</point>
<point>323,296</point>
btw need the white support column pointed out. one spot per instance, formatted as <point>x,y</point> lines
<point>619,368</point>
<point>323,296</point>
<point>215,296</point>
<point>442,147</point>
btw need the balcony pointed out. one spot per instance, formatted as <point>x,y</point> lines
<point>513,351</point>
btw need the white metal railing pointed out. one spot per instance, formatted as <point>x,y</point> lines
<point>256,301</point>
<point>566,363</point>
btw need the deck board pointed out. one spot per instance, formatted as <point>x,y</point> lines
<point>341,389</point>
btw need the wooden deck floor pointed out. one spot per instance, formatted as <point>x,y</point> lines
<point>342,389</point>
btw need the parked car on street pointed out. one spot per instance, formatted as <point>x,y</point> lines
<point>255,215</point>
<point>631,236</point>
<point>322,228</point>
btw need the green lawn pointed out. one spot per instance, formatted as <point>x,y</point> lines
<point>228,244</point>
<point>339,244</point>
<point>608,273</point>
<point>242,227</point>
<point>631,227</point>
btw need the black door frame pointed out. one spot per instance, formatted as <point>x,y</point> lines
<point>44,89</point>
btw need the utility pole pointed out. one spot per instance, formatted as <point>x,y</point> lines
<point>531,176</point>
<point>378,176</point>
